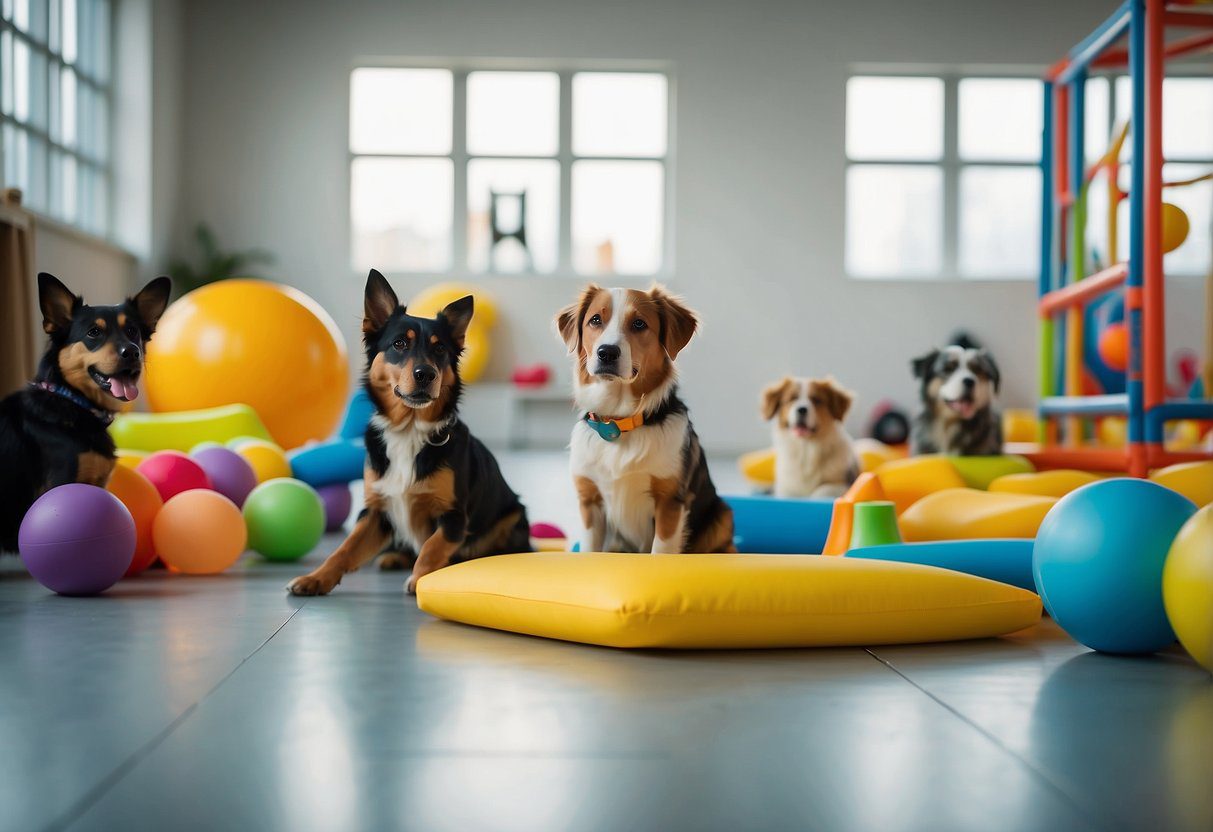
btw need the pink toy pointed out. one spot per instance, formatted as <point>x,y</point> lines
<point>546,531</point>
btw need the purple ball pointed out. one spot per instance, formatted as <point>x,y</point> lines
<point>230,473</point>
<point>337,504</point>
<point>77,539</point>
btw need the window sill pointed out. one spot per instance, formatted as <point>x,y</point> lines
<point>571,278</point>
<point>951,279</point>
<point>79,235</point>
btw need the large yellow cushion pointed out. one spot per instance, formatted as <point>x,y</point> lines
<point>723,601</point>
<point>906,481</point>
<point>966,514</point>
<point>1057,483</point>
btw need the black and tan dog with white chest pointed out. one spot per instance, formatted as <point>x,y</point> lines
<point>434,493</point>
<point>53,432</point>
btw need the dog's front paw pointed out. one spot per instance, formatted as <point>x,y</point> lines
<point>410,586</point>
<point>307,585</point>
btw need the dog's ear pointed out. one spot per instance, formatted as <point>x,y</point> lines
<point>568,320</point>
<point>991,368</point>
<point>458,314</point>
<point>921,365</point>
<point>379,304</point>
<point>57,303</point>
<point>151,301</point>
<point>837,398</point>
<point>772,396</point>
<point>678,321</point>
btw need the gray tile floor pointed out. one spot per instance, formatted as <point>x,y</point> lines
<point>222,703</point>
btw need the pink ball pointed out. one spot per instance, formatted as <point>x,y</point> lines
<point>173,472</point>
<point>546,531</point>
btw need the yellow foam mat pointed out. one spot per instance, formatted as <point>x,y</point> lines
<point>1057,483</point>
<point>966,513</point>
<point>723,601</point>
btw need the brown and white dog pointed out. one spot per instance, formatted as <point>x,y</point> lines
<point>640,473</point>
<point>814,456</point>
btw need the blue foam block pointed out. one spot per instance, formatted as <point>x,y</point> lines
<point>329,463</point>
<point>779,526</point>
<point>1007,561</point>
<point>357,415</point>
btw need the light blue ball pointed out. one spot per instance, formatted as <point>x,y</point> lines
<point>1098,562</point>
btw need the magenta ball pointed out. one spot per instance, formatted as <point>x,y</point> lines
<point>337,504</point>
<point>228,472</point>
<point>546,531</point>
<point>77,539</point>
<point>173,472</point>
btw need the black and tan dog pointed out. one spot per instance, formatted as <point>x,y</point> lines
<point>53,432</point>
<point>433,492</point>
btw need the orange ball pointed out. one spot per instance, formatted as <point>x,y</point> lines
<point>143,501</point>
<point>199,532</point>
<point>1114,346</point>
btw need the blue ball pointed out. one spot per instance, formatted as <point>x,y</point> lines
<point>1098,562</point>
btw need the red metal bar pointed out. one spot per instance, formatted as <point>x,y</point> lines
<point>1086,459</point>
<point>1193,20</point>
<point>1052,72</point>
<point>1076,294</point>
<point>1153,324</point>
<point>1180,46</point>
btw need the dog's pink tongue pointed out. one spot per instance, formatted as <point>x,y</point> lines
<point>124,388</point>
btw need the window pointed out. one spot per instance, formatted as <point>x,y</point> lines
<point>1187,110</point>
<point>943,177</point>
<point>518,171</point>
<point>55,98</point>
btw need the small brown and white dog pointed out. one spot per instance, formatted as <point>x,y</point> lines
<point>641,478</point>
<point>814,456</point>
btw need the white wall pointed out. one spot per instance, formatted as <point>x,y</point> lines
<point>758,185</point>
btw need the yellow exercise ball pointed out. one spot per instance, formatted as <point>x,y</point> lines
<point>429,302</point>
<point>1175,227</point>
<point>253,342</point>
<point>433,300</point>
<point>1187,586</point>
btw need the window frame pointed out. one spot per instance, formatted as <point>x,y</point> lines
<point>103,89</point>
<point>950,164</point>
<point>564,157</point>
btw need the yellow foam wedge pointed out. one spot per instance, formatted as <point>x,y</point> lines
<point>1057,483</point>
<point>969,514</point>
<point>906,481</point>
<point>758,466</point>
<point>1194,480</point>
<point>723,601</point>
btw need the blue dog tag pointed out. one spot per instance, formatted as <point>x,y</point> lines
<point>607,430</point>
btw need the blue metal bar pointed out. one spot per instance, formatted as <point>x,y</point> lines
<point>1090,405</point>
<point>1093,45</point>
<point>1157,417</point>
<point>1137,186</point>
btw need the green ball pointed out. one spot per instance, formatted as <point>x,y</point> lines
<point>285,519</point>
